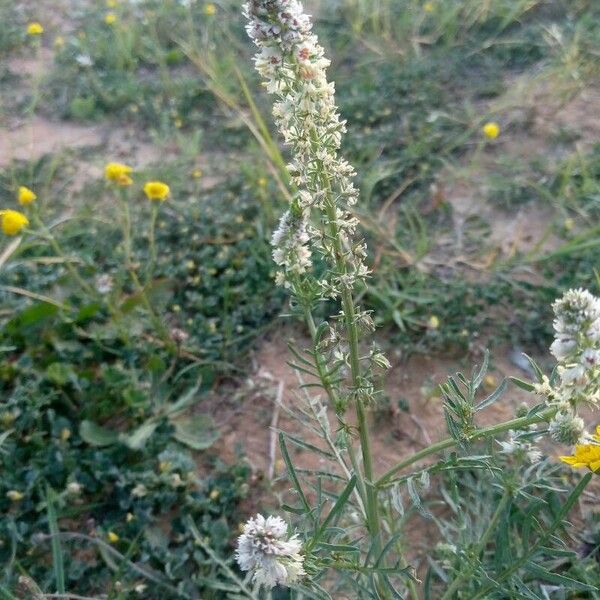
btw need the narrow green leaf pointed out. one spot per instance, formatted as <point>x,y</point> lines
<point>339,504</point>
<point>478,378</point>
<point>495,395</point>
<point>338,547</point>
<point>292,473</point>
<point>57,557</point>
<point>543,573</point>
<point>522,384</point>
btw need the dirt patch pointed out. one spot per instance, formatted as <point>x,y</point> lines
<point>33,138</point>
<point>396,432</point>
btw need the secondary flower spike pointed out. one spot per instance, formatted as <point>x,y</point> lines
<point>266,549</point>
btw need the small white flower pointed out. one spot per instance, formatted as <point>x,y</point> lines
<point>266,549</point>
<point>104,284</point>
<point>139,491</point>
<point>84,60</point>
<point>74,488</point>
<point>567,428</point>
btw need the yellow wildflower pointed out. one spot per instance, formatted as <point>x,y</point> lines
<point>156,190</point>
<point>197,173</point>
<point>586,455</point>
<point>433,322</point>
<point>428,7</point>
<point>35,28</point>
<point>110,18</point>
<point>113,538</point>
<point>210,9</point>
<point>7,418</point>
<point>25,196</point>
<point>262,182</point>
<point>15,495</point>
<point>13,221</point>
<point>119,173</point>
<point>59,41</point>
<point>491,130</point>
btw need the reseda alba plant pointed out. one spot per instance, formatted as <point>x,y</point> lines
<point>349,544</point>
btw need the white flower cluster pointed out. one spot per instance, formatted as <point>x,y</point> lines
<point>577,340</point>
<point>576,347</point>
<point>266,549</point>
<point>293,64</point>
<point>290,246</point>
<point>517,446</point>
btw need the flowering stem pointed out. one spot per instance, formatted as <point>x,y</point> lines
<point>141,290</point>
<point>333,398</point>
<point>366,482</point>
<point>59,252</point>
<point>152,241</point>
<point>519,423</point>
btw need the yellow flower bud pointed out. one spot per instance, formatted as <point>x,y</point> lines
<point>35,28</point>
<point>113,538</point>
<point>491,130</point>
<point>117,172</point>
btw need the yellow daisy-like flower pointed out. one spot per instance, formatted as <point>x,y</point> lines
<point>157,190</point>
<point>119,173</point>
<point>26,196</point>
<point>210,9</point>
<point>491,130</point>
<point>113,538</point>
<point>110,18</point>
<point>12,221</point>
<point>586,455</point>
<point>35,28</point>
<point>433,322</point>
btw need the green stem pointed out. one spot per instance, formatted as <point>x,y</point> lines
<point>141,290</point>
<point>333,398</point>
<point>367,481</point>
<point>61,254</point>
<point>479,547</point>
<point>152,242</point>
<point>519,423</point>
